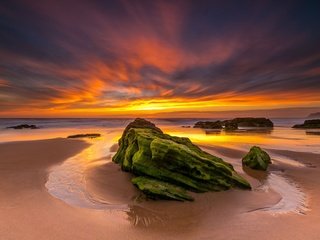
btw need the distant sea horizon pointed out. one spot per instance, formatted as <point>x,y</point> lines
<point>122,122</point>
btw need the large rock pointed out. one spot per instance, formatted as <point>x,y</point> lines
<point>314,123</point>
<point>172,163</point>
<point>230,125</point>
<point>247,122</point>
<point>256,159</point>
<point>235,123</point>
<point>208,125</point>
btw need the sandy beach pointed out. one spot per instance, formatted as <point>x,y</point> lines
<point>28,211</point>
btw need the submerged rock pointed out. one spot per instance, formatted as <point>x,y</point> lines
<point>313,123</point>
<point>87,135</point>
<point>171,164</point>
<point>208,125</point>
<point>256,159</point>
<point>24,126</point>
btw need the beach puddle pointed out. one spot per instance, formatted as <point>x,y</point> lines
<point>292,197</point>
<point>67,181</point>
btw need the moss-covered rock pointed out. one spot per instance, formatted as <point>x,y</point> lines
<point>256,159</point>
<point>156,189</point>
<point>314,123</point>
<point>146,151</point>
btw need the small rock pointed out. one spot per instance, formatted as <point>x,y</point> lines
<point>88,135</point>
<point>24,126</point>
<point>256,159</point>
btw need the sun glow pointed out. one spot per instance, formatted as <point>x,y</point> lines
<point>171,104</point>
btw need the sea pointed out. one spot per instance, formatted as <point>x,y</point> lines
<point>47,123</point>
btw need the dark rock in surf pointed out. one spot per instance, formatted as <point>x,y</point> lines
<point>313,123</point>
<point>87,135</point>
<point>235,123</point>
<point>24,126</point>
<point>208,125</point>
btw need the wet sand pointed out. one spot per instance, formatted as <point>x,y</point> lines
<point>28,211</point>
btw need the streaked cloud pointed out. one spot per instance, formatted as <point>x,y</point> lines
<point>111,57</point>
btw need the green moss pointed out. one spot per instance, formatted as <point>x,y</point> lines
<point>156,189</point>
<point>174,160</point>
<point>256,159</point>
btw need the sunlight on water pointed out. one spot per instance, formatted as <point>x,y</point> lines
<point>279,138</point>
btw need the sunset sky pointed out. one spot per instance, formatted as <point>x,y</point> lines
<point>170,58</point>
